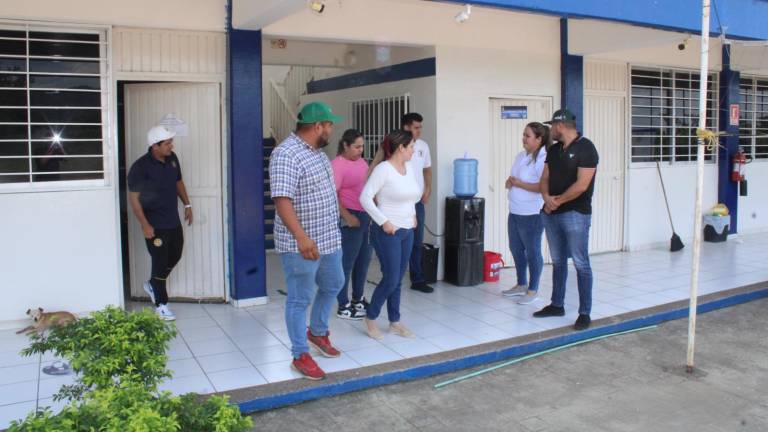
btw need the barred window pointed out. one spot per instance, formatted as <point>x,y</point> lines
<point>52,105</point>
<point>753,116</point>
<point>665,114</point>
<point>377,117</point>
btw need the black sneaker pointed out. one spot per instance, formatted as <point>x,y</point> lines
<point>350,313</point>
<point>361,305</point>
<point>582,322</point>
<point>421,286</point>
<point>549,311</point>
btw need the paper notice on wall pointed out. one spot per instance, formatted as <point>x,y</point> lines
<point>174,123</point>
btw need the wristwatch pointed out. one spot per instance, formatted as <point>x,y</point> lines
<point>188,206</point>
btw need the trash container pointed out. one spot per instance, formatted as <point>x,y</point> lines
<point>716,228</point>
<point>429,259</point>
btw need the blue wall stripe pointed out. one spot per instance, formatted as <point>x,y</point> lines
<point>571,78</point>
<point>423,371</point>
<point>728,191</point>
<point>743,19</point>
<point>247,277</point>
<point>398,72</point>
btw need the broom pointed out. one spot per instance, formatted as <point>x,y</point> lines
<point>675,244</point>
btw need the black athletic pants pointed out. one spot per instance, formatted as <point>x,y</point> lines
<point>165,250</point>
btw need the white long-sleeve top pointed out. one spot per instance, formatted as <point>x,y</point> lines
<point>395,193</point>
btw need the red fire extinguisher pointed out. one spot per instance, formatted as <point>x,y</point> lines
<point>739,160</point>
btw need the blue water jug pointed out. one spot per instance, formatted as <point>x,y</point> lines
<point>465,177</point>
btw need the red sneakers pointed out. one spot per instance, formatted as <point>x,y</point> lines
<point>322,344</point>
<point>306,366</point>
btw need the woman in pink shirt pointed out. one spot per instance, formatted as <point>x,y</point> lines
<point>349,173</point>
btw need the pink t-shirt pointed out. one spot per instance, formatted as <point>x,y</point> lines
<point>349,177</point>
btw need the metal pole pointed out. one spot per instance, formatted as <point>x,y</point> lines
<point>697,229</point>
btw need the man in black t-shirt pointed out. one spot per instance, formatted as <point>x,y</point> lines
<point>155,186</point>
<point>567,184</point>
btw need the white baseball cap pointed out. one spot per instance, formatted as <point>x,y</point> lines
<point>159,133</point>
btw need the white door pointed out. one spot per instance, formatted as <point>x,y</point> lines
<point>506,143</point>
<point>200,274</point>
<point>604,119</point>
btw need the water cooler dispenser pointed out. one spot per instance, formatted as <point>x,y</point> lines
<point>464,230</point>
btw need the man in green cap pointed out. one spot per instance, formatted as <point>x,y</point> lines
<point>307,234</point>
<point>567,183</point>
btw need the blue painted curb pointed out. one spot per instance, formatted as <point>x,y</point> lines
<point>424,371</point>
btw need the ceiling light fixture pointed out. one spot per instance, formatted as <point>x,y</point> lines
<point>316,6</point>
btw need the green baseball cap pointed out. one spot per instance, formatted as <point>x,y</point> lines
<point>315,112</point>
<point>562,115</point>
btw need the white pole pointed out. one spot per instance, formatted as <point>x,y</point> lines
<point>697,230</point>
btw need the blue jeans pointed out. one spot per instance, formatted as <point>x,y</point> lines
<point>417,273</point>
<point>356,251</point>
<point>568,235</point>
<point>525,244</point>
<point>393,252</point>
<point>306,279</point>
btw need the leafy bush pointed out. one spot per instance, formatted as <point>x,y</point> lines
<point>120,360</point>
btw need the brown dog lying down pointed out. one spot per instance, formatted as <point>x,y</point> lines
<point>46,320</point>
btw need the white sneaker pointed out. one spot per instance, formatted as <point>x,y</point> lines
<point>515,291</point>
<point>528,298</point>
<point>164,313</point>
<point>148,289</point>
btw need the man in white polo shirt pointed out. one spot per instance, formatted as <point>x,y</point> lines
<point>422,165</point>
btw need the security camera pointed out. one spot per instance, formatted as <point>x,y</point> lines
<point>682,45</point>
<point>464,15</point>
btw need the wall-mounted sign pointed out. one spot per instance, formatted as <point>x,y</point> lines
<point>734,115</point>
<point>173,123</point>
<point>278,43</point>
<point>514,112</point>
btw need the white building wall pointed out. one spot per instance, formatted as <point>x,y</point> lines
<point>173,14</point>
<point>647,221</point>
<point>753,209</point>
<point>61,252</point>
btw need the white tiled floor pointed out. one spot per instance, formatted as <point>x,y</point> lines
<point>221,348</point>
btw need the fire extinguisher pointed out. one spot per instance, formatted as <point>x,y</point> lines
<point>738,161</point>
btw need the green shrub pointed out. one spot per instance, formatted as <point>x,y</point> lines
<point>120,360</point>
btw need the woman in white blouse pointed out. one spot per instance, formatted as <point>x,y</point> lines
<point>393,184</point>
<point>524,224</point>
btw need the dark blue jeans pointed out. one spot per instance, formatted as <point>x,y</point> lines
<point>525,244</point>
<point>568,235</point>
<point>393,252</point>
<point>417,273</point>
<point>356,251</point>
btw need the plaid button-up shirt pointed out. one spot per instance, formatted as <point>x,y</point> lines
<point>303,174</point>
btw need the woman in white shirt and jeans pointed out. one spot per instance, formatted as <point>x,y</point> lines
<point>393,184</point>
<point>524,224</point>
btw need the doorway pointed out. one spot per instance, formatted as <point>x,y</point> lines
<point>199,276</point>
<point>508,120</point>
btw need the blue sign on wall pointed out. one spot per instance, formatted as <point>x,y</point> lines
<point>514,112</point>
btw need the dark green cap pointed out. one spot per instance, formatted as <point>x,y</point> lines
<point>316,112</point>
<point>562,115</point>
